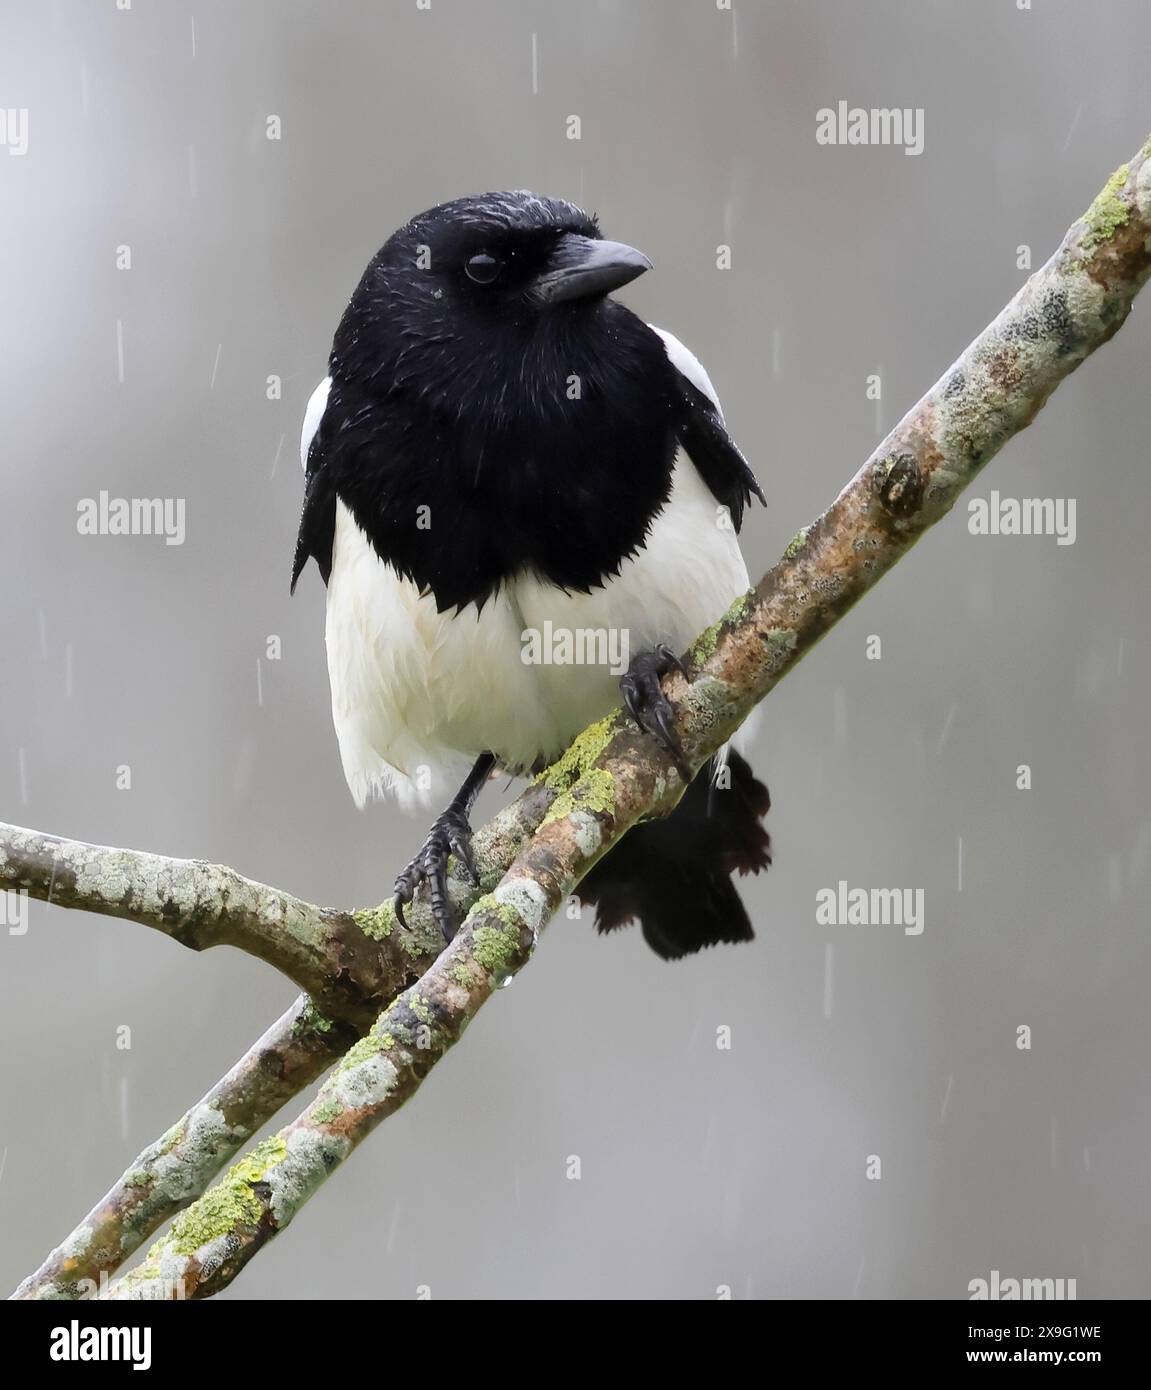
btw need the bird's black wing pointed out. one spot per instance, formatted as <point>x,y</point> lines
<point>318,517</point>
<point>703,435</point>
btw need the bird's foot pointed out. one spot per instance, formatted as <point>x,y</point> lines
<point>450,834</point>
<point>645,701</point>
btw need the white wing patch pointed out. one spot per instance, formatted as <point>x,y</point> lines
<point>685,361</point>
<point>317,404</point>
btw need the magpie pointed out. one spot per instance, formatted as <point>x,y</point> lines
<point>499,448</point>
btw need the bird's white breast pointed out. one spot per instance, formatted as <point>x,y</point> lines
<point>417,695</point>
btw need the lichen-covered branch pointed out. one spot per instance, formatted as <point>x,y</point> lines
<point>296,1050</point>
<point>613,777</point>
<point>202,905</point>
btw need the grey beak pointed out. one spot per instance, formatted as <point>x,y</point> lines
<point>580,266</point>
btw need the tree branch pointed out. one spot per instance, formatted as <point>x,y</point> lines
<point>612,776</point>
<point>296,1050</point>
<point>350,963</point>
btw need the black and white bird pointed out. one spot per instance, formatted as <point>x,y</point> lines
<point>500,446</point>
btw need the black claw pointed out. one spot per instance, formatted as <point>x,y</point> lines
<point>462,849</point>
<point>673,661</point>
<point>645,701</point>
<point>451,834</point>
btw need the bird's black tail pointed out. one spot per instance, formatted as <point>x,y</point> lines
<point>674,875</point>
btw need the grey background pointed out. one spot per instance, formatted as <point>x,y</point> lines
<point>700,1167</point>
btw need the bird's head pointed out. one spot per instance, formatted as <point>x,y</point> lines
<point>470,286</point>
<point>510,253</point>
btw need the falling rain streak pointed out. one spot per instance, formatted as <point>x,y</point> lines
<point>946,730</point>
<point>828,979</point>
<point>946,1098</point>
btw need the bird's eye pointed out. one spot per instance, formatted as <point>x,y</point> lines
<point>482,268</point>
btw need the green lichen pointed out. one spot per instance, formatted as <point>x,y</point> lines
<point>265,1155</point>
<point>310,1017</point>
<point>1108,212</point>
<point>595,792</point>
<point>567,771</point>
<point>495,948</point>
<point>387,1042</point>
<point>138,1177</point>
<point>359,1052</point>
<point>327,1110</point>
<point>740,608</point>
<point>421,1008</point>
<point>462,975</point>
<point>796,544</point>
<point>377,923</point>
<point>230,1204</point>
<point>705,644</point>
<point>170,1138</point>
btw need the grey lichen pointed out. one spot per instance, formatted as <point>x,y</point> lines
<point>309,1158</point>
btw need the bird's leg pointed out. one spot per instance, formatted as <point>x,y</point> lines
<point>450,834</point>
<point>645,701</point>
